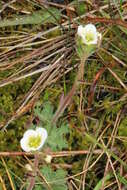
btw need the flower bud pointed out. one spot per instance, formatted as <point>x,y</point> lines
<point>48,159</point>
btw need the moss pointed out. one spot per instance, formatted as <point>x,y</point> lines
<point>11,97</point>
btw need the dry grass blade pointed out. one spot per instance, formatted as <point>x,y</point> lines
<point>93,86</point>
<point>8,174</point>
<point>35,91</point>
<point>39,62</point>
<point>118,79</point>
<point>2,183</point>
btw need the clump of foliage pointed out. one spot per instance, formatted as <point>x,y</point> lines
<point>56,179</point>
<point>56,135</point>
<point>56,141</point>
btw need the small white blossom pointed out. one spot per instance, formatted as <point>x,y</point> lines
<point>48,159</point>
<point>33,139</point>
<point>89,34</point>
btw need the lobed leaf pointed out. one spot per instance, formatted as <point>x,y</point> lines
<point>56,179</point>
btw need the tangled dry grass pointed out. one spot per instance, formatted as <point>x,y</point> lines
<point>38,62</point>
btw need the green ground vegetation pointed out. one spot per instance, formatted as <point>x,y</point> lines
<point>38,66</point>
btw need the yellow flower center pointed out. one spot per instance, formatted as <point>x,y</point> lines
<point>89,37</point>
<point>34,142</point>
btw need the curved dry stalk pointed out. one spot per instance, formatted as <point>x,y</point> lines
<point>2,183</point>
<point>53,154</point>
<point>112,141</point>
<point>106,169</point>
<point>8,174</point>
<point>66,101</point>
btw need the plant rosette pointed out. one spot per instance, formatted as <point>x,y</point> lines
<point>33,140</point>
<point>88,39</point>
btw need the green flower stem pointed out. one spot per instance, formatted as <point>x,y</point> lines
<point>81,69</point>
<point>71,93</point>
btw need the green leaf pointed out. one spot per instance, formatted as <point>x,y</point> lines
<point>105,179</point>
<point>38,17</point>
<point>122,179</point>
<point>56,139</point>
<point>81,8</point>
<point>56,135</point>
<point>38,187</point>
<point>56,179</point>
<point>45,114</point>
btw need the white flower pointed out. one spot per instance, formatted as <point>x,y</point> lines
<point>89,34</point>
<point>48,159</point>
<point>33,139</point>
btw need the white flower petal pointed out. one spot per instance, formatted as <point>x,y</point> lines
<point>80,30</point>
<point>31,137</point>
<point>43,133</point>
<point>94,41</point>
<point>90,27</point>
<point>29,132</point>
<point>24,144</point>
<point>88,34</point>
